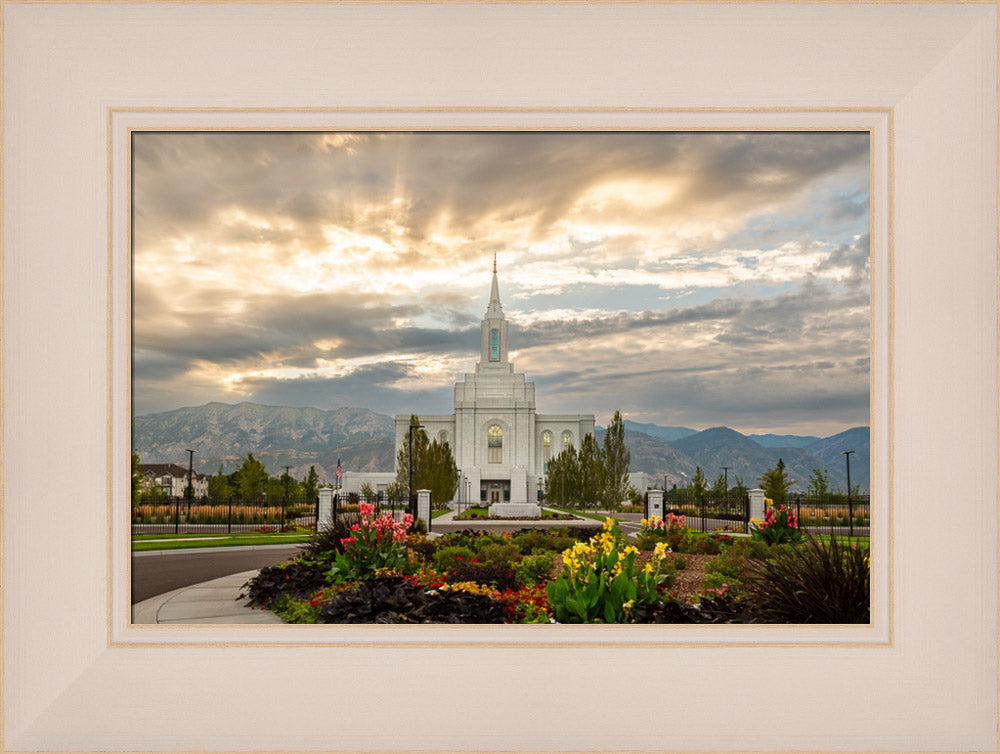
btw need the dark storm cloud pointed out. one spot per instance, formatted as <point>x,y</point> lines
<point>368,387</point>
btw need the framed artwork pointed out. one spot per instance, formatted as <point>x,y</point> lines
<point>922,86</point>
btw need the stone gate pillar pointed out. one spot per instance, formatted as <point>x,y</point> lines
<point>424,507</point>
<point>757,504</point>
<point>655,505</point>
<point>325,517</point>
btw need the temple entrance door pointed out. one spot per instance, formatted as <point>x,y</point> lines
<point>494,496</point>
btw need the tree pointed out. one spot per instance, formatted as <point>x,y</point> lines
<point>136,479</point>
<point>562,486</point>
<point>775,483</point>
<point>590,471</point>
<point>740,490</point>
<point>616,457</point>
<point>698,484</point>
<point>434,466</point>
<point>251,478</point>
<point>310,485</point>
<point>218,486</point>
<point>819,483</point>
<point>719,490</point>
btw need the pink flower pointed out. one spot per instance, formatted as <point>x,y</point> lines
<point>355,527</point>
<point>367,510</point>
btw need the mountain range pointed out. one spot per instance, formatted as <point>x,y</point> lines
<point>362,440</point>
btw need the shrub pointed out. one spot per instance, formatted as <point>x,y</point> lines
<point>778,527</point>
<point>424,548</point>
<point>812,583</point>
<point>417,526</point>
<point>679,561</point>
<point>534,539</point>
<point>535,568</point>
<point>736,560</point>
<point>700,544</point>
<point>330,538</point>
<point>448,557</point>
<point>499,553</point>
<point>498,575</point>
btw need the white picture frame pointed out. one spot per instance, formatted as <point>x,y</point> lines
<point>75,677</point>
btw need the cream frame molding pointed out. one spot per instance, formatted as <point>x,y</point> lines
<point>922,76</point>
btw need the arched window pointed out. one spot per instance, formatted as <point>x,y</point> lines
<point>567,440</point>
<point>495,444</point>
<point>442,437</point>
<point>546,450</point>
<point>494,345</point>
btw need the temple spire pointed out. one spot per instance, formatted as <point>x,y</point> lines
<point>494,306</point>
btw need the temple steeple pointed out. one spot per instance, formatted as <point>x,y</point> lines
<point>494,332</point>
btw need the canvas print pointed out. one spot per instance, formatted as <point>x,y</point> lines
<point>501,377</point>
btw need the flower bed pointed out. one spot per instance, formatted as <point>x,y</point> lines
<point>372,570</point>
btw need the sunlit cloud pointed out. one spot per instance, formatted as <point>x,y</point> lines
<point>633,267</point>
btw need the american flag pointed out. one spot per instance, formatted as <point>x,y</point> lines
<point>339,472</point>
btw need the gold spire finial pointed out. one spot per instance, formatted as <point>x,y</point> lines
<point>494,263</point>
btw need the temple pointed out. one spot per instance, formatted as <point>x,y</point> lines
<point>501,446</point>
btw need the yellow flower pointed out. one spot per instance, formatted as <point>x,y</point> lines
<point>660,550</point>
<point>648,568</point>
<point>755,522</point>
<point>628,605</point>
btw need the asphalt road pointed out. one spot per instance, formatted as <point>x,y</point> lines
<point>156,574</point>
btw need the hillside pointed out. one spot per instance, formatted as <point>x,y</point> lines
<point>279,435</point>
<point>221,433</point>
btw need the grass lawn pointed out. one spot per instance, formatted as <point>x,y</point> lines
<point>142,542</point>
<point>844,540</point>
<point>441,512</point>
<point>581,514</point>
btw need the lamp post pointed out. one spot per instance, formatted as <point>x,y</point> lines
<point>460,485</point>
<point>284,502</point>
<point>850,504</point>
<point>412,427</point>
<point>189,492</point>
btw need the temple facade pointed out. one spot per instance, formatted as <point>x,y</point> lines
<point>501,445</point>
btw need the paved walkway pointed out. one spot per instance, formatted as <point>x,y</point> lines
<point>210,602</point>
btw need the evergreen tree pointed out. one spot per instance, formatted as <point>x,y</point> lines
<point>562,486</point>
<point>591,472</point>
<point>719,490</point>
<point>819,483</point>
<point>218,486</point>
<point>740,489</point>
<point>775,483</point>
<point>616,457</point>
<point>434,467</point>
<point>698,484</point>
<point>251,478</point>
<point>310,485</point>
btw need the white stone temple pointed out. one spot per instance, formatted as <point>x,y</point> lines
<point>501,446</point>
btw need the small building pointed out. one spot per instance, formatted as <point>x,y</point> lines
<point>172,479</point>
<point>353,481</point>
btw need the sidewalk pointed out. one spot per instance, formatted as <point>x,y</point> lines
<point>209,602</point>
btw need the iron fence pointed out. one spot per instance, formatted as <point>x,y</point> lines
<point>159,515</point>
<point>350,502</point>
<point>710,513</point>
<point>834,514</point>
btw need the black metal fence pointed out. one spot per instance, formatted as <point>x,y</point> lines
<point>709,513</point>
<point>834,514</point>
<point>350,502</point>
<point>178,515</point>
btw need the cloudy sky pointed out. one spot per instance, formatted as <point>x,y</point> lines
<point>691,279</point>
